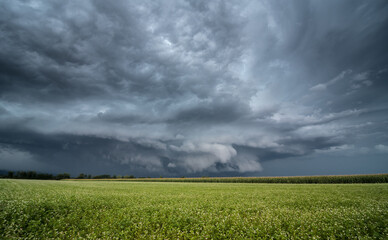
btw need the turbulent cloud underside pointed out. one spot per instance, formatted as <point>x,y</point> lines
<point>190,87</point>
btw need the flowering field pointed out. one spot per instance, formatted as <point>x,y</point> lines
<point>36,209</point>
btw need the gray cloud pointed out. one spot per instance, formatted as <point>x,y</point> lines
<point>190,87</point>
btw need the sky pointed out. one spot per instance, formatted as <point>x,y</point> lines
<point>194,88</point>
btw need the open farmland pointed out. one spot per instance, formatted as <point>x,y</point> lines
<point>36,209</point>
<point>370,178</point>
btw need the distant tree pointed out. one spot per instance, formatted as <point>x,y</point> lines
<point>35,175</point>
<point>114,176</point>
<point>102,176</point>
<point>89,176</point>
<point>22,174</point>
<point>62,176</point>
<point>81,176</point>
<point>31,175</point>
<point>44,176</point>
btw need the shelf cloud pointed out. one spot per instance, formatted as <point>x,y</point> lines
<point>192,88</point>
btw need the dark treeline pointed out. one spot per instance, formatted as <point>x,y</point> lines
<point>35,175</point>
<point>103,176</point>
<point>49,176</point>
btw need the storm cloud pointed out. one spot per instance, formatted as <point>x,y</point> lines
<point>194,87</point>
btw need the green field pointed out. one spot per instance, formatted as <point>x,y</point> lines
<point>33,209</point>
<point>368,178</point>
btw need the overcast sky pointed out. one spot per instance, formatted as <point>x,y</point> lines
<point>194,88</point>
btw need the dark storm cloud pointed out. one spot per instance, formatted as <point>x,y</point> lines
<point>190,87</point>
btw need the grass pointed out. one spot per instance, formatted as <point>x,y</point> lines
<point>33,209</point>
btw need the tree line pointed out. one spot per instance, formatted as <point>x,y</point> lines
<point>49,176</point>
<point>36,175</point>
<point>103,176</point>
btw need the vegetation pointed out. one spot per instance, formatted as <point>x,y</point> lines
<point>49,176</point>
<point>34,209</point>
<point>35,175</point>
<point>373,178</point>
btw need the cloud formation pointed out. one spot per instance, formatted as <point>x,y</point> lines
<point>189,87</point>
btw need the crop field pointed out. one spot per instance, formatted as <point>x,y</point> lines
<point>37,209</point>
<point>370,178</point>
